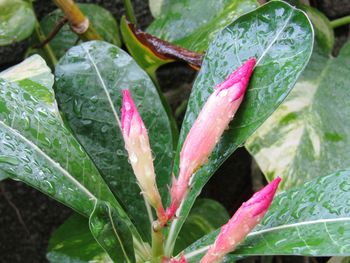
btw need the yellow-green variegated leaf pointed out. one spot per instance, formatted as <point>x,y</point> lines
<point>309,134</point>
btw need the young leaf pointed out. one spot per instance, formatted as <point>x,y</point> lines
<point>193,24</point>
<point>17,21</point>
<point>280,37</point>
<point>311,220</point>
<point>112,233</point>
<point>309,133</point>
<point>102,20</point>
<point>90,78</point>
<point>151,52</point>
<point>72,242</point>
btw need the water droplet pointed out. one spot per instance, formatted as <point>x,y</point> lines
<point>104,128</point>
<point>9,160</point>
<point>77,107</point>
<point>127,106</point>
<point>94,99</point>
<point>345,186</point>
<point>49,187</point>
<point>223,93</point>
<point>133,158</point>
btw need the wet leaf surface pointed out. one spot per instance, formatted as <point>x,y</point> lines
<point>90,78</point>
<point>310,220</point>
<point>281,39</point>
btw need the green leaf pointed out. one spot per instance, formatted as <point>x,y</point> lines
<point>39,150</point>
<point>281,39</point>
<point>102,20</point>
<point>193,24</point>
<point>324,32</point>
<point>311,220</point>
<point>17,21</point>
<point>90,78</point>
<point>206,216</point>
<point>112,233</point>
<point>309,133</point>
<point>72,242</point>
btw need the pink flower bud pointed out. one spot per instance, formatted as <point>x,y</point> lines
<point>139,150</point>
<point>173,260</point>
<point>242,222</point>
<point>206,131</point>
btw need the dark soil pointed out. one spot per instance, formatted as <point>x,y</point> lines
<point>28,217</point>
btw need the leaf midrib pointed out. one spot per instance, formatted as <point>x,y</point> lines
<point>49,159</point>
<point>271,229</point>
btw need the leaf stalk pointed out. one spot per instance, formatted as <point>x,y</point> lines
<point>340,22</point>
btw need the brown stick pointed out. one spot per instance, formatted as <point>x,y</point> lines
<point>53,33</point>
<point>79,23</point>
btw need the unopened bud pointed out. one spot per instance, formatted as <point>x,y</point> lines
<point>242,222</point>
<point>139,150</point>
<point>206,131</point>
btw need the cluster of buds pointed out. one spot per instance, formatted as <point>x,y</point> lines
<point>205,133</point>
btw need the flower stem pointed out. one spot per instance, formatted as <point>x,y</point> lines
<point>340,22</point>
<point>78,21</point>
<point>157,241</point>
<point>129,11</point>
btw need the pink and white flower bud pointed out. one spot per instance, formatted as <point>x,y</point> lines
<point>206,131</point>
<point>139,150</point>
<point>242,222</point>
<point>174,260</point>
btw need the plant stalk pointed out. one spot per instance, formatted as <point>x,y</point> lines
<point>130,14</point>
<point>78,21</point>
<point>157,242</point>
<point>46,47</point>
<point>340,22</point>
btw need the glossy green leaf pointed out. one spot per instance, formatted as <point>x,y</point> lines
<point>309,134</point>
<point>102,20</point>
<point>311,220</point>
<point>112,233</point>
<point>281,39</point>
<point>90,78</point>
<point>39,150</point>
<point>17,21</point>
<point>324,32</point>
<point>72,242</point>
<point>193,24</point>
<point>206,216</point>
